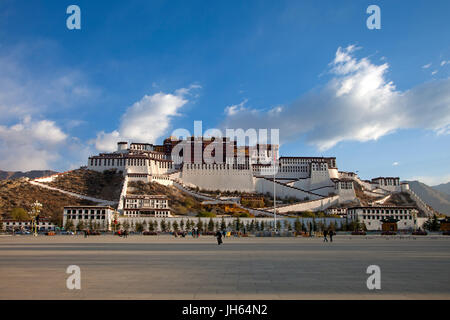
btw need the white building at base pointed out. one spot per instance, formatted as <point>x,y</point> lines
<point>371,216</point>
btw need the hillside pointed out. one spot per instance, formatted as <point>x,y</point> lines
<point>20,193</point>
<point>33,174</point>
<point>179,202</point>
<point>105,185</point>
<point>436,199</point>
<point>444,188</point>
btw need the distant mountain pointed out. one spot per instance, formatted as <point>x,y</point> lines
<point>444,187</point>
<point>33,174</point>
<point>436,199</point>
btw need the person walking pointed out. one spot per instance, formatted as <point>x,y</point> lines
<point>325,233</point>
<point>219,237</point>
<point>331,233</point>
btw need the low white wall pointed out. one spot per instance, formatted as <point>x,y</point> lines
<point>315,205</point>
<point>178,219</point>
<point>264,186</point>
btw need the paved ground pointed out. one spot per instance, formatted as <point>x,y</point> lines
<point>147,267</point>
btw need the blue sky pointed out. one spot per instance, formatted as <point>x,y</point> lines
<point>66,94</point>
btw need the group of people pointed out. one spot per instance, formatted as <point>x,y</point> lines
<point>121,233</point>
<point>329,233</point>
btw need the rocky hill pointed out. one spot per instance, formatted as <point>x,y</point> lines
<point>438,200</point>
<point>33,174</point>
<point>19,193</point>
<point>443,187</point>
<point>105,185</point>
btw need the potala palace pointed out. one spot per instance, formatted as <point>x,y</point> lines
<point>209,169</point>
<point>221,165</point>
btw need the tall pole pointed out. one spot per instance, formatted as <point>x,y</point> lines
<point>274,201</point>
<point>274,190</point>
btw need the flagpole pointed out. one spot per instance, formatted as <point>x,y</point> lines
<point>274,193</point>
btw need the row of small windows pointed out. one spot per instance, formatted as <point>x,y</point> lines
<point>107,162</point>
<point>165,165</point>
<point>25,223</point>
<point>294,169</point>
<point>192,166</point>
<point>86,217</point>
<point>344,185</point>
<point>391,211</point>
<point>86,211</point>
<point>370,217</point>
<point>137,213</point>
<point>129,162</point>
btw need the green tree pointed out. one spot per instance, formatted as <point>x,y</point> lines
<point>278,225</point>
<point>211,225</point>
<point>126,225</point>
<point>80,225</point>
<point>223,224</point>
<point>182,224</point>
<point>297,225</point>
<point>169,226</point>
<point>287,225</point>
<point>237,224</point>
<point>432,224</point>
<point>162,225</point>
<point>200,224</point>
<point>19,214</point>
<point>139,227</point>
<point>151,226</point>
<point>69,225</point>
<point>252,226</point>
<point>144,225</point>
<point>175,226</point>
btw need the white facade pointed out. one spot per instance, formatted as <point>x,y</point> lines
<point>146,206</point>
<point>372,216</point>
<point>103,215</point>
<point>43,224</point>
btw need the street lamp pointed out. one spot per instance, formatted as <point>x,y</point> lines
<point>115,217</point>
<point>34,213</point>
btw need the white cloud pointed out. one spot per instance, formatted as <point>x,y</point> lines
<point>358,103</point>
<point>146,120</point>
<point>233,109</point>
<point>29,91</point>
<point>434,72</point>
<point>23,92</point>
<point>426,66</point>
<point>30,144</point>
<point>395,163</point>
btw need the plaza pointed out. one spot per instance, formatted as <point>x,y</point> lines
<point>164,267</point>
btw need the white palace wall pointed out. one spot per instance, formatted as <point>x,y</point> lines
<point>314,205</point>
<point>213,177</point>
